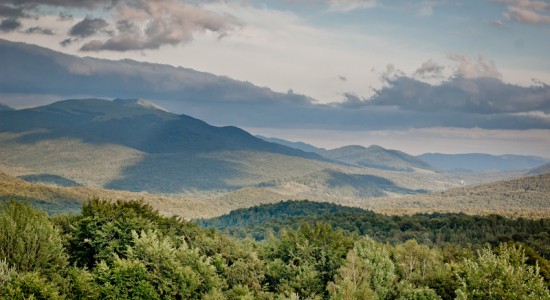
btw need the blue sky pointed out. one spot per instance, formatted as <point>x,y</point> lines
<point>330,50</point>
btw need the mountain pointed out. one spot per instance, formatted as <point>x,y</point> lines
<point>544,169</point>
<point>56,199</point>
<point>134,145</point>
<point>5,107</point>
<point>477,162</point>
<point>375,157</point>
<point>296,145</point>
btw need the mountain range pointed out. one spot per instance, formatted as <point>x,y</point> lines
<point>479,162</point>
<point>134,145</point>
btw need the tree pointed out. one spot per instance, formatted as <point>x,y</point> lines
<point>500,276</point>
<point>368,268</point>
<point>28,240</point>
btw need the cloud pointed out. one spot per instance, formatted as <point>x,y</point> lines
<point>474,68</point>
<point>10,24</point>
<point>40,30</point>
<point>11,12</point>
<point>88,27</point>
<point>463,95</point>
<point>150,25</point>
<point>136,24</point>
<point>426,8</point>
<point>529,16</point>
<point>527,11</point>
<point>404,102</point>
<point>429,69</point>
<point>341,5</point>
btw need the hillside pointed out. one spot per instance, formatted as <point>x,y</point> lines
<point>375,157</point>
<point>526,196</point>
<point>478,162</point>
<point>137,146</point>
<point>544,169</point>
<point>434,229</point>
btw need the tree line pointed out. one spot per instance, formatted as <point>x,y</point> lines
<point>127,250</point>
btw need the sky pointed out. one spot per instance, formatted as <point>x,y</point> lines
<point>467,61</point>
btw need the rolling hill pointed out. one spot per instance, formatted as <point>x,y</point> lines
<point>134,145</point>
<point>375,157</point>
<point>479,162</point>
<point>527,196</point>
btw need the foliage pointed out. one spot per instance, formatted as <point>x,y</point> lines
<point>127,250</point>
<point>429,229</point>
<point>28,240</point>
<point>501,275</point>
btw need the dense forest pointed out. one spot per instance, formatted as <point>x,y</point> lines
<point>437,229</point>
<point>127,250</point>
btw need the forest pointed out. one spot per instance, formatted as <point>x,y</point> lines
<point>128,250</point>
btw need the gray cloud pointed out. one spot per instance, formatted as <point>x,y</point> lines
<point>463,95</point>
<point>11,12</point>
<point>136,24</point>
<point>150,25</point>
<point>88,27</point>
<point>40,30</point>
<point>429,69</point>
<point>66,42</point>
<point>10,24</point>
<point>404,103</point>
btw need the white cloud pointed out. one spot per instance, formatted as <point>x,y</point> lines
<point>474,68</point>
<point>527,11</point>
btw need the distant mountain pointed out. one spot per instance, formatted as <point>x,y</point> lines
<point>477,162</point>
<point>527,197</point>
<point>375,157</point>
<point>5,107</point>
<point>296,145</point>
<point>135,145</point>
<point>544,169</point>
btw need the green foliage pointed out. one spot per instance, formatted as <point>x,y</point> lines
<point>104,229</point>
<point>429,229</point>
<point>28,240</point>
<point>420,293</point>
<point>303,261</point>
<point>501,275</point>
<point>29,286</point>
<point>139,254</point>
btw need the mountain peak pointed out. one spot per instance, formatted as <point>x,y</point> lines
<point>139,102</point>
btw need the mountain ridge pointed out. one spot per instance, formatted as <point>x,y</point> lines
<point>376,157</point>
<point>154,145</point>
<point>482,162</point>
